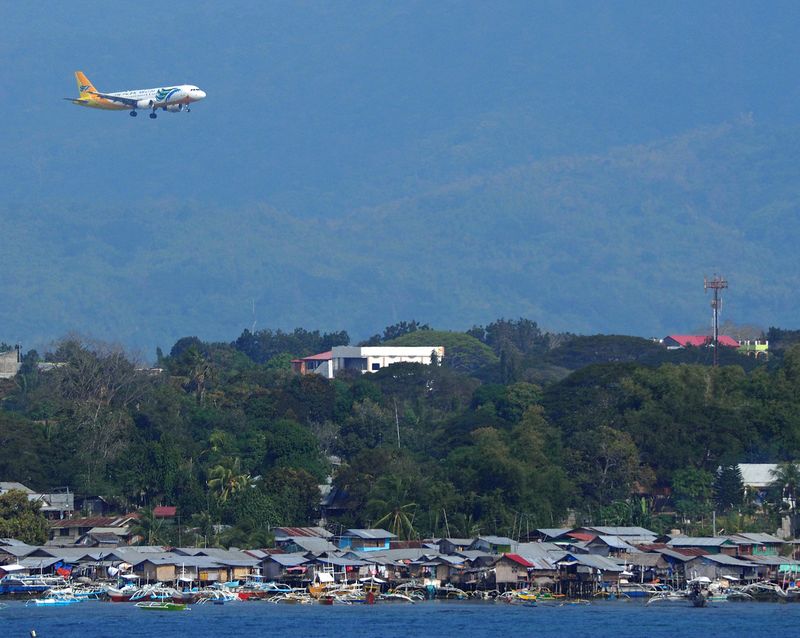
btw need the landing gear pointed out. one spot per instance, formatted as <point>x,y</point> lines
<point>134,114</point>
<point>153,115</point>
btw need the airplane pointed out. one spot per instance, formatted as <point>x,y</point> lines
<point>171,98</point>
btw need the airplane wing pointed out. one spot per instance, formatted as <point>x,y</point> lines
<point>127,101</point>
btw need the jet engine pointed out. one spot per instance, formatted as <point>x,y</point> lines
<point>144,104</point>
<point>174,108</point>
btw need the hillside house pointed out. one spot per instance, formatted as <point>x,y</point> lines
<point>675,342</point>
<point>10,363</point>
<point>365,358</point>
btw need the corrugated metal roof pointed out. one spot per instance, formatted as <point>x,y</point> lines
<point>614,542</point>
<point>296,532</point>
<point>410,553</point>
<point>724,559</point>
<point>597,562</point>
<point>372,534</point>
<point>748,538</point>
<point>38,562</point>
<point>314,544</point>
<point>684,554</point>
<point>638,532</point>
<point>519,560</point>
<point>496,540</point>
<point>757,475</point>
<point>17,550</point>
<point>643,559</point>
<point>553,532</point>
<point>699,541</point>
<point>288,560</point>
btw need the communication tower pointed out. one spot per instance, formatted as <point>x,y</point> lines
<point>716,284</point>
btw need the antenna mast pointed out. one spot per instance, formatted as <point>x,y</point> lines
<point>716,284</point>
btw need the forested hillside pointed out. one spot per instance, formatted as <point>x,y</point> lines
<point>618,241</point>
<point>515,427</point>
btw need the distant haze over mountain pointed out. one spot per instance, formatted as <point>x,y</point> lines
<point>357,164</point>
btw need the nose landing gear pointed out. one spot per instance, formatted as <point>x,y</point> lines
<point>134,113</point>
<point>153,115</point>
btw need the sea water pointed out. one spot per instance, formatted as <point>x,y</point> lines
<point>462,619</point>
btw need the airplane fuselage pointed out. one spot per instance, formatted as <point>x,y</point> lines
<point>170,98</point>
<point>183,94</point>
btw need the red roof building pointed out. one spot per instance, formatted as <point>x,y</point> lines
<point>519,560</point>
<point>310,364</point>
<point>165,511</point>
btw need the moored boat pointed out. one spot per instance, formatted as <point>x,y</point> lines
<point>161,605</point>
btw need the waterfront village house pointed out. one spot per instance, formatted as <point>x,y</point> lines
<point>628,534</point>
<point>710,544</point>
<point>365,358</point>
<point>750,544</point>
<point>453,545</point>
<point>298,544</point>
<point>493,544</point>
<point>217,567</point>
<point>584,574</point>
<point>715,566</point>
<point>609,546</point>
<point>303,539</point>
<point>366,540</point>
<point>279,566</point>
<point>646,567</point>
<point>441,568</point>
<point>548,534</point>
<point>511,571</point>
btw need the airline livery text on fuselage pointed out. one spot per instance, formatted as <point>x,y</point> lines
<point>171,98</point>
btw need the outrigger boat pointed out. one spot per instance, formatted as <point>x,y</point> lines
<point>158,605</point>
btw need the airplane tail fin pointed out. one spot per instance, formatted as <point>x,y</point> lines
<point>85,87</point>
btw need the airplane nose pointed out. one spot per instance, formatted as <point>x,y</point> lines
<point>200,94</point>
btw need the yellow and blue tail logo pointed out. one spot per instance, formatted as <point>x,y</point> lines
<point>85,87</point>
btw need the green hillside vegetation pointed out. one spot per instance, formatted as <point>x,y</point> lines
<point>463,352</point>
<point>473,440</point>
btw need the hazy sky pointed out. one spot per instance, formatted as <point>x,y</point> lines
<point>316,110</point>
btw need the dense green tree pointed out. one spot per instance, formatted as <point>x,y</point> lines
<point>729,487</point>
<point>692,492</point>
<point>21,518</point>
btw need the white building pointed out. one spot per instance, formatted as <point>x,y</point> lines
<point>365,358</point>
<point>10,363</point>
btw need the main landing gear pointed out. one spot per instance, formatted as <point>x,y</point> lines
<point>153,115</point>
<point>134,113</point>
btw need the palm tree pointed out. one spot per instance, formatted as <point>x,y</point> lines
<point>148,528</point>
<point>786,477</point>
<point>227,478</point>
<point>393,510</point>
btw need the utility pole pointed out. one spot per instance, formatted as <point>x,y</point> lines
<point>716,285</point>
<point>397,422</point>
